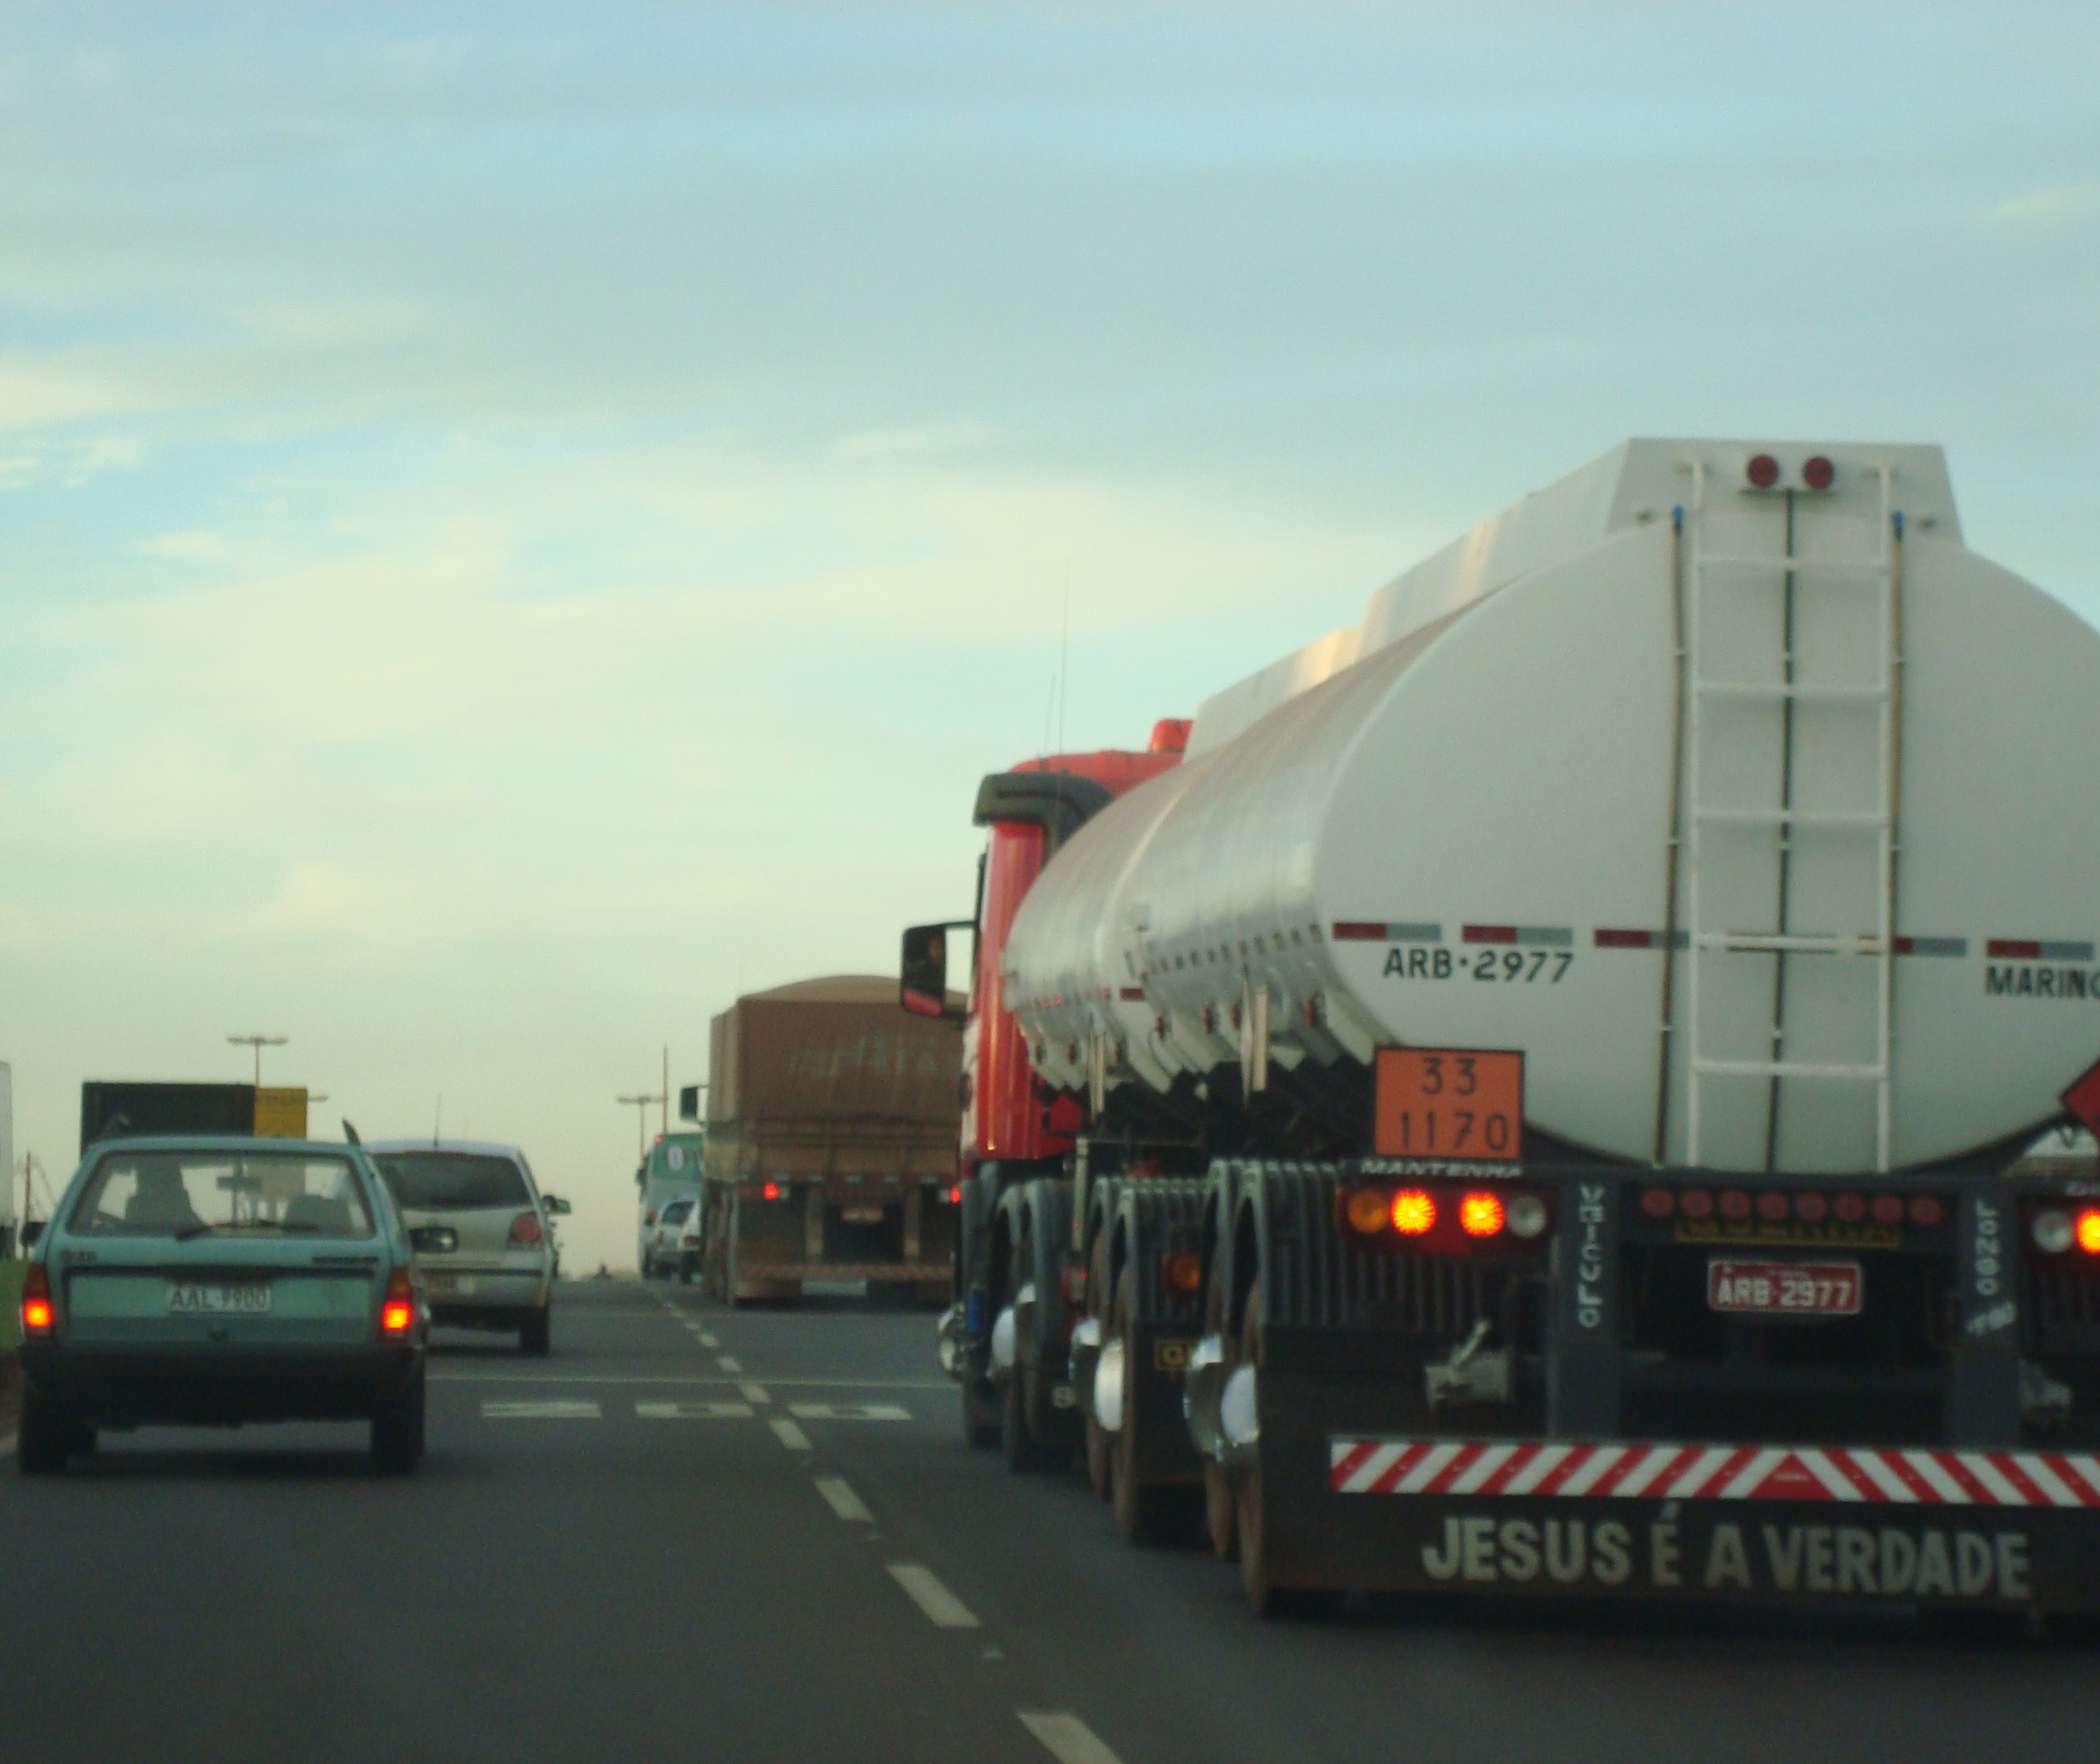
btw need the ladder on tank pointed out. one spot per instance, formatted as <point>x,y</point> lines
<point>1706,942</point>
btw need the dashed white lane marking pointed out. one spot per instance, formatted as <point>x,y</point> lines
<point>450,1376</point>
<point>1066,1736</point>
<point>694,1411</point>
<point>755,1393</point>
<point>942,1607</point>
<point>847,1412</point>
<point>706,1340</point>
<point>840,1497</point>
<point>492,1410</point>
<point>732,1366</point>
<point>790,1436</point>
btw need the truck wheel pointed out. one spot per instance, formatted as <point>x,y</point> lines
<point>398,1432</point>
<point>44,1435</point>
<point>1264,1597</point>
<point>1097,1439</point>
<point>536,1334</point>
<point>981,1420</point>
<point>1146,1514</point>
<point>685,1270</point>
<point>1018,1443</point>
<point>1221,1513</point>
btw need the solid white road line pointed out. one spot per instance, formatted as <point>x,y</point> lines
<point>847,1412</point>
<point>942,1607</point>
<point>493,1410</point>
<point>790,1436</point>
<point>1066,1736</point>
<point>839,1495</point>
<point>734,1367</point>
<point>755,1393</point>
<point>694,1411</point>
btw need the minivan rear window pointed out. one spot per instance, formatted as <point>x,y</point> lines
<point>448,1181</point>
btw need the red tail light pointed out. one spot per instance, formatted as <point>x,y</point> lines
<point>2086,1230</point>
<point>1184,1269</point>
<point>397,1310</point>
<point>1927,1210</point>
<point>38,1315</point>
<point>771,1192</point>
<point>1817,473</point>
<point>526,1232</point>
<point>1812,1209</point>
<point>956,1195</point>
<point>1887,1209</point>
<point>1480,1215</point>
<point>1413,1213</point>
<point>1762,471</point>
<point>1658,1203</point>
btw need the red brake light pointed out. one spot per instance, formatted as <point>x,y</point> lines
<point>2087,1230</point>
<point>526,1232</point>
<point>956,1195</point>
<point>1413,1213</point>
<point>397,1310</point>
<point>1817,473</point>
<point>1762,471</point>
<point>771,1192</point>
<point>38,1315</point>
<point>1480,1215</point>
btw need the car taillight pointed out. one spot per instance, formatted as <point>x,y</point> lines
<point>526,1232</point>
<point>37,1316</point>
<point>956,1195</point>
<point>397,1310</point>
<point>2085,1230</point>
<point>770,1192</point>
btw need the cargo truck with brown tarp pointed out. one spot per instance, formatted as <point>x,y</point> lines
<point>831,1120</point>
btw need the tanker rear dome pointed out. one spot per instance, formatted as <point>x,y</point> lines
<point>1452,826</point>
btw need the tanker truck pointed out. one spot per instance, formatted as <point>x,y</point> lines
<point>1533,1102</point>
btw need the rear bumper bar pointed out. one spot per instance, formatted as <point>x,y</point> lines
<point>118,1388</point>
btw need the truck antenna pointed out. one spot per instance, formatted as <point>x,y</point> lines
<point>1064,655</point>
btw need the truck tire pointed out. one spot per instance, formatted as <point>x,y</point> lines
<point>1220,1508</point>
<point>981,1418</point>
<point>397,1431</point>
<point>1097,1440</point>
<point>44,1435</point>
<point>1264,1597</point>
<point>1146,1514</point>
<point>685,1263</point>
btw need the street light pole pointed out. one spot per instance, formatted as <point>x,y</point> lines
<point>257,1043</point>
<point>640,1104</point>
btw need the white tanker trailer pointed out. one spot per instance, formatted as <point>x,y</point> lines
<point>1593,1007</point>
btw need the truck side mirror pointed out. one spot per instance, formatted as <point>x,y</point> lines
<point>557,1206</point>
<point>923,982</point>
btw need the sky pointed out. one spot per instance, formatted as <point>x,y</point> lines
<point>518,521</point>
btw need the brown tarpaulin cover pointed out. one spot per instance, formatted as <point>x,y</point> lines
<point>831,1077</point>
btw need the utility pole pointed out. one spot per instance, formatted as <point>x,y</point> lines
<point>257,1043</point>
<point>640,1104</point>
<point>665,1128</point>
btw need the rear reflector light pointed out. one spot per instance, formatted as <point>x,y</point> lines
<point>1413,1213</point>
<point>1762,471</point>
<point>1658,1203</point>
<point>1366,1211</point>
<point>397,1310</point>
<point>1927,1210</point>
<point>1817,473</point>
<point>1526,1215</point>
<point>526,1232</point>
<point>1772,1206</point>
<point>1887,1209</point>
<point>2052,1232</point>
<point>1735,1204</point>
<point>38,1315</point>
<point>1695,1203</point>
<point>1480,1215</point>
<point>1849,1209</point>
<point>1184,1269</point>
<point>1810,1209</point>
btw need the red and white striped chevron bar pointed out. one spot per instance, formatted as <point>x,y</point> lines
<point>1595,1471</point>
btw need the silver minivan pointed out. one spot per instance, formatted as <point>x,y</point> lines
<point>500,1274</point>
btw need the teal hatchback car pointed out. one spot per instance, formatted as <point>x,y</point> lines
<point>217,1281</point>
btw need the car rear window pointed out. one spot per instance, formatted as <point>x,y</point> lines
<point>195,1194</point>
<point>676,1212</point>
<point>448,1181</point>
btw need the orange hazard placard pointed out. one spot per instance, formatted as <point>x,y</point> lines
<point>1447,1102</point>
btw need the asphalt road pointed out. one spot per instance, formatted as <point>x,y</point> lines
<point>757,1535</point>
